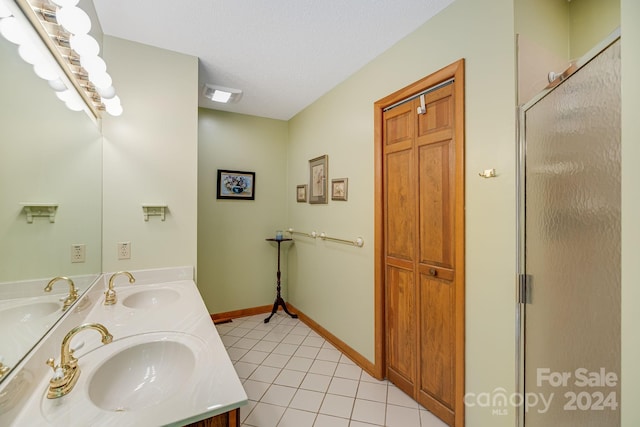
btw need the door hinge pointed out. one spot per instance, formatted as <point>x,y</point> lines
<point>524,288</point>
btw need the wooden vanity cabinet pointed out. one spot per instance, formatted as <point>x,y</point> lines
<point>228,419</point>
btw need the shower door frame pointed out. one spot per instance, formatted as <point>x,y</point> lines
<point>521,282</point>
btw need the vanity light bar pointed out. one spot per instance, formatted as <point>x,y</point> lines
<point>84,71</point>
<point>15,27</point>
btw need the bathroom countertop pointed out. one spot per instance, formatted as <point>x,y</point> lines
<point>204,386</point>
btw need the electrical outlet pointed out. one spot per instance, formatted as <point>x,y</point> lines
<point>78,251</point>
<point>124,250</point>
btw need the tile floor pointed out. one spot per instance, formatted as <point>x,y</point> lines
<point>294,378</point>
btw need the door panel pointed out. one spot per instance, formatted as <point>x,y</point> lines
<point>401,206</point>
<point>436,340</point>
<point>401,327</point>
<point>436,204</point>
<point>399,126</point>
<point>572,248</point>
<point>439,114</point>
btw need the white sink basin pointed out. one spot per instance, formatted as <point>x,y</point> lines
<point>140,376</point>
<point>28,312</point>
<point>150,298</point>
<point>22,325</point>
<point>164,367</point>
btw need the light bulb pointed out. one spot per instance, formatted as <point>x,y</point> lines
<point>45,71</point>
<point>101,80</point>
<point>107,93</point>
<point>114,110</point>
<point>113,101</point>
<point>4,11</point>
<point>58,85</point>
<point>73,101</point>
<point>75,104</point>
<point>84,45</point>
<point>113,106</point>
<point>30,54</point>
<point>12,30</point>
<point>93,64</point>
<point>64,95</point>
<point>74,20</point>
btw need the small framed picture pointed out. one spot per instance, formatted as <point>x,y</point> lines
<point>318,173</point>
<point>301,193</point>
<point>339,189</point>
<point>236,185</point>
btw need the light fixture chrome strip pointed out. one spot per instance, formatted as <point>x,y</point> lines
<point>59,30</point>
<point>17,29</point>
<point>29,12</point>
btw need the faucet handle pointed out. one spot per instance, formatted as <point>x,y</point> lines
<point>58,372</point>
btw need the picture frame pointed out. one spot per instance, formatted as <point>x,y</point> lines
<point>318,175</point>
<point>237,185</point>
<point>301,193</point>
<point>339,188</point>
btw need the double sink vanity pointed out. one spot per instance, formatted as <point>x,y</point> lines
<point>151,356</point>
<point>144,353</point>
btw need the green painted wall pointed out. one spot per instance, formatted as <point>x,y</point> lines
<point>545,22</point>
<point>150,156</point>
<point>334,284</point>
<point>48,154</point>
<point>236,266</point>
<point>590,22</point>
<point>568,29</point>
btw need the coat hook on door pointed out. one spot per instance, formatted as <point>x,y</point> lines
<point>488,173</point>
<point>422,109</point>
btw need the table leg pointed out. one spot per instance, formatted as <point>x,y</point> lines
<point>279,301</point>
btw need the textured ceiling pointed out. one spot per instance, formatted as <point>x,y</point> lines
<point>283,54</point>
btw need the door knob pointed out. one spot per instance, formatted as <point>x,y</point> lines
<point>433,272</point>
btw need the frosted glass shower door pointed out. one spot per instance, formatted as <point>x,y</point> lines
<point>572,250</point>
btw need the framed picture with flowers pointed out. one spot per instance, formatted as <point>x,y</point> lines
<point>236,185</point>
<point>318,173</point>
<point>339,189</point>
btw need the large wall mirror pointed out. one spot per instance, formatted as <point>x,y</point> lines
<point>52,155</point>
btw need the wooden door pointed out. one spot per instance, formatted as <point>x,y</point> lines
<point>423,256</point>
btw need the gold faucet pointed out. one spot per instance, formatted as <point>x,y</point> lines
<point>73,293</point>
<point>66,374</point>
<point>110,295</point>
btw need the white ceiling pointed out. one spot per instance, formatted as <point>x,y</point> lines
<point>283,54</point>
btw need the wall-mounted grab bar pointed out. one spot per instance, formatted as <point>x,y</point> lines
<point>359,241</point>
<point>313,234</point>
